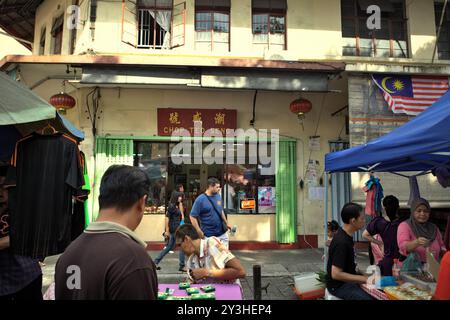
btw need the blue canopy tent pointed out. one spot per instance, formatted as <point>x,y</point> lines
<point>419,146</point>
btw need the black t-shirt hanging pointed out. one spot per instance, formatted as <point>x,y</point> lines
<point>48,174</point>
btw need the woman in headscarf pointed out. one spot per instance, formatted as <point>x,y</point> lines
<point>417,234</point>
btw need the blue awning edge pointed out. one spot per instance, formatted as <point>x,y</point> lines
<point>71,128</point>
<point>421,144</point>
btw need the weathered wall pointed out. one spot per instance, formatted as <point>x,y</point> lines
<point>369,119</point>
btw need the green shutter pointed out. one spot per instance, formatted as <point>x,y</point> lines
<point>107,153</point>
<point>286,192</point>
<point>86,186</point>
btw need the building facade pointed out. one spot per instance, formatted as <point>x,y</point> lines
<point>137,68</point>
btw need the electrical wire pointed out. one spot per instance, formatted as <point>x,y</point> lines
<point>304,172</point>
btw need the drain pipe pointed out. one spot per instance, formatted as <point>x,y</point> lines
<point>93,18</point>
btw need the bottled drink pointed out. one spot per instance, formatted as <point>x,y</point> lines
<point>396,269</point>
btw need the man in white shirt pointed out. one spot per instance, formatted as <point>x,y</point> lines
<point>209,260</point>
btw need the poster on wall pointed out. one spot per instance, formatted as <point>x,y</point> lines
<point>266,200</point>
<point>314,143</point>
<point>311,173</point>
<point>316,193</point>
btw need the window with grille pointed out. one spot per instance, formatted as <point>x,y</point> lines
<point>269,23</point>
<point>154,24</point>
<point>443,49</point>
<point>212,24</point>
<point>388,41</point>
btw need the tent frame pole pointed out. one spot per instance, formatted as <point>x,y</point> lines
<point>325,248</point>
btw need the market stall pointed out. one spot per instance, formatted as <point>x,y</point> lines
<point>45,173</point>
<point>22,112</point>
<point>419,147</point>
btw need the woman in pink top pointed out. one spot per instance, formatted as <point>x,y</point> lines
<point>417,234</point>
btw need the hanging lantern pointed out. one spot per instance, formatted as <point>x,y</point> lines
<point>300,107</point>
<point>62,101</point>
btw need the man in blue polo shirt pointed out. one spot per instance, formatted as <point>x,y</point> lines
<point>207,214</point>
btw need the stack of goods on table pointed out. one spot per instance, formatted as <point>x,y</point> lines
<point>193,293</point>
<point>424,280</point>
<point>407,291</point>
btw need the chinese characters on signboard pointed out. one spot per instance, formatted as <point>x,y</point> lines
<point>172,120</point>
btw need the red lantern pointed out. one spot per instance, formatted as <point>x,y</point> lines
<point>62,102</point>
<point>300,107</point>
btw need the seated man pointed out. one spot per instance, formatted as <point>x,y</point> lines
<point>209,261</point>
<point>343,280</point>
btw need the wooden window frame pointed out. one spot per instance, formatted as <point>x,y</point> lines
<point>271,13</point>
<point>357,19</point>
<point>155,9</point>
<point>212,11</point>
<point>445,22</point>
<point>57,39</point>
<point>130,24</point>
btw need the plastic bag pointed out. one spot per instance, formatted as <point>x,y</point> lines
<point>412,263</point>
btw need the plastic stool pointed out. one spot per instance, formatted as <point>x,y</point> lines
<point>329,296</point>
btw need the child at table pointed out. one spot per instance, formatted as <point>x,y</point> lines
<point>333,227</point>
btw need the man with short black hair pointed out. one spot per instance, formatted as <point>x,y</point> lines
<point>209,260</point>
<point>108,261</point>
<point>207,214</point>
<point>343,279</point>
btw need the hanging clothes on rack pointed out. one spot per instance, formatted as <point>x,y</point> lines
<point>374,196</point>
<point>48,175</point>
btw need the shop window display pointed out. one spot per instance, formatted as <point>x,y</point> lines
<point>152,158</point>
<point>242,178</point>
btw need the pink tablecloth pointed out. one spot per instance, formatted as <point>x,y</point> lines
<point>375,293</point>
<point>223,291</point>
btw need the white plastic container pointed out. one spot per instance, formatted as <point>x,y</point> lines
<point>307,282</point>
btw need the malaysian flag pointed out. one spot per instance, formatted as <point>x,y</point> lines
<point>410,94</point>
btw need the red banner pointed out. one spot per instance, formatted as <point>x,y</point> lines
<point>170,120</point>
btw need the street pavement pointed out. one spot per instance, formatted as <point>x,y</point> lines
<point>278,269</point>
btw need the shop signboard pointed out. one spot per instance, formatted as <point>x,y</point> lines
<point>248,204</point>
<point>171,119</point>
